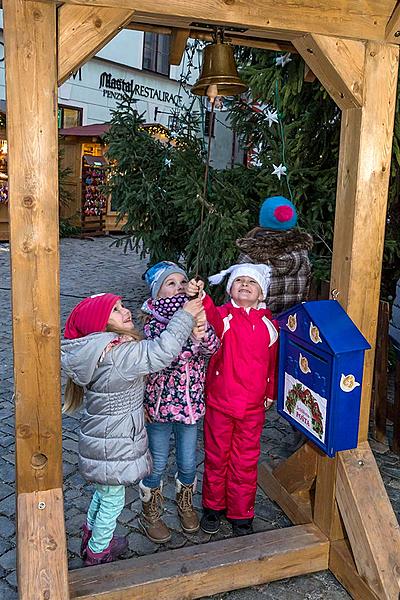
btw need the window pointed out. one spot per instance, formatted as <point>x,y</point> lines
<point>156,52</point>
<point>209,116</point>
<point>69,116</point>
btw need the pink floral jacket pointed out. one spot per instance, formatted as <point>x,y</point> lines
<point>177,392</point>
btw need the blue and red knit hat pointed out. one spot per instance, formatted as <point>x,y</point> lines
<point>277,213</point>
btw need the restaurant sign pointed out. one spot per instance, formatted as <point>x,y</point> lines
<point>115,88</point>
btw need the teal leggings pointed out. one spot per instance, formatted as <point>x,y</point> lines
<point>107,504</point>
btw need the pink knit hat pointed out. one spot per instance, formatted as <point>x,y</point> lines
<point>90,315</point>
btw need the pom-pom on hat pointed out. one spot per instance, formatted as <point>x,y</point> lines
<point>157,274</point>
<point>90,316</point>
<point>277,213</point>
<point>260,273</point>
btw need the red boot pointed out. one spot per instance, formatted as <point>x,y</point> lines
<point>115,548</point>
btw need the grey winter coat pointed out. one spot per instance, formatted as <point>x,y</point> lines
<point>113,447</point>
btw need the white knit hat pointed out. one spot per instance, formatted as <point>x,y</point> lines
<point>260,273</point>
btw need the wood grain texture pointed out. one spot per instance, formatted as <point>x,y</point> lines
<point>338,64</point>
<point>342,565</point>
<point>361,201</point>
<point>350,18</point>
<point>297,508</point>
<point>392,31</point>
<point>370,522</point>
<point>298,472</point>
<point>179,38</point>
<point>42,555</point>
<point>30,39</point>
<point>83,31</point>
<point>206,569</point>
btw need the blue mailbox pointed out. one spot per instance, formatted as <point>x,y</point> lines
<point>321,361</point>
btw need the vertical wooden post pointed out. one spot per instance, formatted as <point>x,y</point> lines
<point>31,79</point>
<point>363,178</point>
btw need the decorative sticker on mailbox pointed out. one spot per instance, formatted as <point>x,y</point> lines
<point>348,383</point>
<point>292,322</point>
<point>314,334</point>
<point>303,364</point>
<point>305,406</point>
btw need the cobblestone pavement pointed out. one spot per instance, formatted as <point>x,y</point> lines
<point>91,266</point>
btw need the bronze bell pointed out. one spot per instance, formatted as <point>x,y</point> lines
<point>219,69</point>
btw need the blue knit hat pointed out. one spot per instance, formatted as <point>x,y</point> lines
<point>157,274</point>
<point>277,213</point>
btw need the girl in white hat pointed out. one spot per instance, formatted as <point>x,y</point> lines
<point>241,384</point>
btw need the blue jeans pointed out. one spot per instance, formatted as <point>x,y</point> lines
<point>107,503</point>
<point>185,441</point>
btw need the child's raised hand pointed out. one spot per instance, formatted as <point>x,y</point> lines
<point>193,307</point>
<point>199,330</point>
<point>195,287</point>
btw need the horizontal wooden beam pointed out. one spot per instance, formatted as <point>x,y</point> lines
<point>331,18</point>
<point>235,40</point>
<point>208,569</point>
<point>338,64</point>
<point>296,508</point>
<point>83,31</point>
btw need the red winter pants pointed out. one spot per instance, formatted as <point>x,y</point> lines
<point>232,449</point>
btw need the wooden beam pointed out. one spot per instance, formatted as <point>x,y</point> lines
<point>179,38</point>
<point>298,472</point>
<point>392,31</point>
<point>309,75</point>
<point>370,522</point>
<point>197,34</point>
<point>83,31</point>
<point>42,555</point>
<point>326,513</point>
<point>207,569</point>
<point>295,507</point>
<point>333,18</point>
<point>341,563</point>
<point>360,219</point>
<point>338,64</point>
<point>31,64</point>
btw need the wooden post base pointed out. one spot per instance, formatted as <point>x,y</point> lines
<point>208,569</point>
<point>368,562</point>
<point>42,556</point>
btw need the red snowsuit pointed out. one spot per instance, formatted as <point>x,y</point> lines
<point>240,377</point>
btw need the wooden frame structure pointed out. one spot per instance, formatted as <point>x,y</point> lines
<point>341,514</point>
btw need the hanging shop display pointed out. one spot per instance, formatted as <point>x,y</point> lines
<point>4,228</point>
<point>320,373</point>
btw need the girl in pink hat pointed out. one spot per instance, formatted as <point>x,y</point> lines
<point>106,362</point>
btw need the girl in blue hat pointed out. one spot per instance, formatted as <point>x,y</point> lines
<point>174,402</point>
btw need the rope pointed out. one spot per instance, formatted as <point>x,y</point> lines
<point>204,196</point>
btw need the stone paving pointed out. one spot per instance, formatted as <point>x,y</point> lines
<point>92,266</point>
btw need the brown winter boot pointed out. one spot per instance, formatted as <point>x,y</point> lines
<point>150,517</point>
<point>184,499</point>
